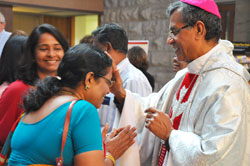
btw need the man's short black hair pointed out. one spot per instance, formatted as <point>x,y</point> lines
<point>114,34</point>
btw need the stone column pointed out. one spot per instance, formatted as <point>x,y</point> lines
<point>242,21</point>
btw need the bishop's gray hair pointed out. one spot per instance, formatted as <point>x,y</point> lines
<point>192,14</point>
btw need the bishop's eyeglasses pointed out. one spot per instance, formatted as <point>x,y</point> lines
<point>172,33</point>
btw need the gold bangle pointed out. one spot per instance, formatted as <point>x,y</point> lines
<point>111,158</point>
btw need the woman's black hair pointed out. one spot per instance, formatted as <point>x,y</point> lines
<point>76,63</point>
<point>10,56</point>
<point>27,71</point>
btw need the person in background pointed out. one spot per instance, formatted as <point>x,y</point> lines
<point>138,57</point>
<point>8,62</point>
<point>84,74</point>
<point>112,38</point>
<point>178,65</point>
<point>202,116</point>
<point>19,32</point>
<point>87,39</point>
<point>4,35</point>
<point>42,54</point>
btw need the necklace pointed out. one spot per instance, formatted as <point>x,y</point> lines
<point>65,92</point>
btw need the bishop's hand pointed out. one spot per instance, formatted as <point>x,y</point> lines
<point>158,123</point>
<point>117,87</point>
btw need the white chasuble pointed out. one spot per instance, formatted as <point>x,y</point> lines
<point>214,129</point>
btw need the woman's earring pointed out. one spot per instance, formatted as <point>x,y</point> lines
<point>86,87</point>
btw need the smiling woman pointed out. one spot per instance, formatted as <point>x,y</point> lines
<point>49,53</point>
<point>43,52</point>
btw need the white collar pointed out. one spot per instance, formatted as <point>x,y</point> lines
<point>196,65</point>
<point>2,31</point>
<point>123,64</point>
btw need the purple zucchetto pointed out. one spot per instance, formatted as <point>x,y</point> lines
<point>207,5</point>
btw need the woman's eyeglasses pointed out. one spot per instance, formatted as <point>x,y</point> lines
<point>109,82</point>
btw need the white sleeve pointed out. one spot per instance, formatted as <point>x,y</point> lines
<point>139,86</point>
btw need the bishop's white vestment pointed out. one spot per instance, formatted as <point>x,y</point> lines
<point>214,129</point>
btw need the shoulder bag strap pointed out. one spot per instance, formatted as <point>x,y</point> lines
<point>59,161</point>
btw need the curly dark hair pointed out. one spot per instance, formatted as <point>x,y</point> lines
<point>27,71</point>
<point>192,14</point>
<point>76,63</point>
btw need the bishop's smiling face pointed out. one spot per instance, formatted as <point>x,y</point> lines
<point>49,54</point>
<point>183,42</point>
